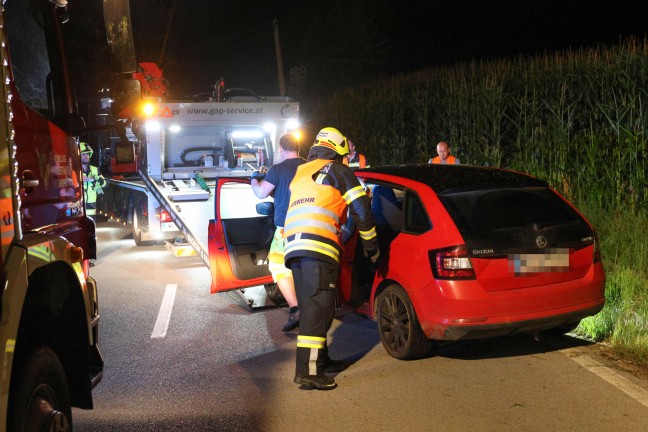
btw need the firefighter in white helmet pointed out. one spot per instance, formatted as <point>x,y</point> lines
<point>320,194</point>
<point>93,181</point>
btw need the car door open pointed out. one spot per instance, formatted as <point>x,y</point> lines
<point>239,237</point>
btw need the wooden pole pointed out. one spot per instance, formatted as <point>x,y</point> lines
<point>280,71</point>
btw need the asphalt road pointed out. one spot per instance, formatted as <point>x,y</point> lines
<point>219,367</point>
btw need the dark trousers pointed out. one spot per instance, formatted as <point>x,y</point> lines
<point>315,282</point>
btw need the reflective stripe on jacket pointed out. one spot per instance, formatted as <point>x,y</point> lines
<point>361,163</point>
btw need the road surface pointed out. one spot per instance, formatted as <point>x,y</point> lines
<point>181,359</point>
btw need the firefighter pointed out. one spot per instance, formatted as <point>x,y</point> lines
<point>354,159</point>
<point>443,150</point>
<point>93,182</point>
<point>321,192</point>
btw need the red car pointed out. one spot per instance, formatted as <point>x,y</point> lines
<point>467,252</point>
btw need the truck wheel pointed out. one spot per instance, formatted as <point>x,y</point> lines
<point>137,233</point>
<point>398,325</point>
<point>40,400</point>
<point>274,293</point>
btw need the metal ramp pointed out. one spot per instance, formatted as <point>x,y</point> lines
<point>164,193</point>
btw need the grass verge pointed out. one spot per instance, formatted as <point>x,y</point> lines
<point>623,322</point>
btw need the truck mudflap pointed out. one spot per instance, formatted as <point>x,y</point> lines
<point>96,361</point>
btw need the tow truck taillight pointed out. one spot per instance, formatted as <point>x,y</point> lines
<point>162,215</point>
<point>451,263</point>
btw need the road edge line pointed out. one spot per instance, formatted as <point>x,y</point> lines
<point>608,374</point>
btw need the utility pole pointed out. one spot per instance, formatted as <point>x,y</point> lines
<point>166,34</point>
<point>280,71</point>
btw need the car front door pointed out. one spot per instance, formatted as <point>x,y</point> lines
<point>239,237</point>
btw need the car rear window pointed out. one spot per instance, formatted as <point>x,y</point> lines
<point>482,211</point>
<point>498,219</point>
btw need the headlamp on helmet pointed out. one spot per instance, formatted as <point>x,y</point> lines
<point>332,138</point>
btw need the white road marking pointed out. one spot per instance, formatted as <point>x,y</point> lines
<point>164,316</point>
<point>622,383</point>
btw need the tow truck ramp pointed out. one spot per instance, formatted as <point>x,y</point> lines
<point>195,204</point>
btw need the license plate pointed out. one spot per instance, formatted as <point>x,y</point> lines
<point>554,260</point>
<point>168,226</point>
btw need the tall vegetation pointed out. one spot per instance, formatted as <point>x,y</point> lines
<point>577,119</point>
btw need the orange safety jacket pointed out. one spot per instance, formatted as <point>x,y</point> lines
<point>450,160</point>
<point>315,214</point>
<point>361,163</point>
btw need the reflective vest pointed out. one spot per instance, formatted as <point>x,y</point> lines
<point>93,186</point>
<point>450,160</point>
<point>361,163</point>
<point>314,216</point>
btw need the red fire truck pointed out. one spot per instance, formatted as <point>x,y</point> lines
<point>48,302</point>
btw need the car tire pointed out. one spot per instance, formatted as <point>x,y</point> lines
<point>40,398</point>
<point>137,232</point>
<point>398,325</point>
<point>274,293</point>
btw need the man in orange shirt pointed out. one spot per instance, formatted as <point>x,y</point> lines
<point>354,159</point>
<point>443,150</point>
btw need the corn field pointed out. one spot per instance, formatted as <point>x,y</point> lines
<point>576,119</point>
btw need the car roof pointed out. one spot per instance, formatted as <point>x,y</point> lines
<point>456,178</point>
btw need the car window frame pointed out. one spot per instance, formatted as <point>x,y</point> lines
<point>409,193</point>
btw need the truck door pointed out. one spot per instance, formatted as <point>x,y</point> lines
<point>44,112</point>
<point>239,237</point>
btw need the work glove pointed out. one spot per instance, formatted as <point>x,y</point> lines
<point>257,175</point>
<point>373,255</point>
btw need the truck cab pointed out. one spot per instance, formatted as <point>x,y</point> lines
<point>49,304</point>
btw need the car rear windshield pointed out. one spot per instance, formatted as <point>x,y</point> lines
<point>487,210</point>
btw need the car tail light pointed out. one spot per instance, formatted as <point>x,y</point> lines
<point>162,215</point>
<point>451,263</point>
<point>597,249</point>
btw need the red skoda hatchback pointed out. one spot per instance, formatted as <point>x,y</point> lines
<point>467,252</point>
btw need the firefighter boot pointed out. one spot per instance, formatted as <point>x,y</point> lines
<point>319,382</point>
<point>334,366</point>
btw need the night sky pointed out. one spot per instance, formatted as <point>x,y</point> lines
<point>333,43</point>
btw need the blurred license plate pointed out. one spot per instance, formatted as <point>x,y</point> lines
<point>554,260</point>
<point>168,226</point>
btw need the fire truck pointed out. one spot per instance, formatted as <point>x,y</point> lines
<point>48,302</point>
<point>163,183</point>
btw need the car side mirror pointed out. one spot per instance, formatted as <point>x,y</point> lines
<point>265,208</point>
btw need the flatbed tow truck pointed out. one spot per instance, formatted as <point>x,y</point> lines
<point>163,181</point>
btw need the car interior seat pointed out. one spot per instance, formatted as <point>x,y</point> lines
<point>386,209</point>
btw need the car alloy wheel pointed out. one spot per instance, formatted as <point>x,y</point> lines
<point>398,325</point>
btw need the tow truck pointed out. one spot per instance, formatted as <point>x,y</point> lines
<point>163,183</point>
